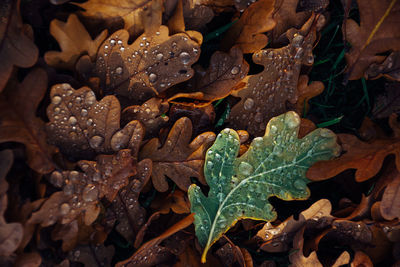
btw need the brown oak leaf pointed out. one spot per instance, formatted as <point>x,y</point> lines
<point>18,122</point>
<point>145,68</point>
<point>375,35</point>
<point>266,94</point>
<point>223,74</point>
<point>178,158</point>
<point>306,92</point>
<point>74,41</point>
<point>125,207</point>
<point>390,205</point>
<point>82,191</point>
<point>16,45</point>
<point>248,32</point>
<point>366,158</point>
<point>81,126</point>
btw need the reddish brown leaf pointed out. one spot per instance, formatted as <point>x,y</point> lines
<point>361,260</point>
<point>178,158</point>
<point>80,126</point>
<point>306,92</point>
<point>374,35</point>
<point>18,122</point>
<point>176,201</point>
<point>390,205</point>
<point>16,45</point>
<point>74,41</point>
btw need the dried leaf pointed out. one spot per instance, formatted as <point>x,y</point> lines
<point>223,74</point>
<point>389,68</point>
<point>126,208</point>
<point>390,205</point>
<point>74,41</point>
<point>266,93</point>
<point>91,255</point>
<point>17,48</point>
<point>80,126</point>
<point>18,122</point>
<point>178,158</point>
<point>388,102</point>
<point>82,191</point>
<point>248,32</point>
<point>151,253</point>
<point>306,92</point>
<point>151,114</point>
<point>278,239</point>
<point>240,187</point>
<point>145,68</point>
<point>375,35</point>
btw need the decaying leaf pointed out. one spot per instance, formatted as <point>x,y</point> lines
<point>151,253</point>
<point>74,41</point>
<point>126,208</point>
<point>18,121</point>
<point>248,32</point>
<point>83,190</point>
<point>390,205</point>
<point>178,158</point>
<point>81,126</point>
<point>266,93</point>
<point>278,238</point>
<point>388,102</point>
<point>145,68</point>
<point>375,35</point>
<point>274,165</point>
<point>151,114</point>
<point>16,45</point>
<point>223,74</point>
<point>389,68</point>
<point>366,158</point>
<point>91,255</point>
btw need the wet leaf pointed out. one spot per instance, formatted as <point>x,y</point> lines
<point>17,48</point>
<point>74,41</point>
<point>374,35</point>
<point>151,252</point>
<point>223,74</point>
<point>390,205</point>
<point>82,126</point>
<point>389,68</point>
<point>126,208</point>
<point>248,32</point>
<point>178,158</point>
<point>274,165</point>
<point>145,68</point>
<point>266,93</point>
<point>82,191</point>
<point>196,15</point>
<point>18,121</point>
<point>91,255</point>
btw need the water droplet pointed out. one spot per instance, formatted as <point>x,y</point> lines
<point>292,120</point>
<point>89,122</point>
<point>56,179</point>
<point>106,47</point>
<point>273,129</point>
<point>235,70</point>
<point>258,117</point>
<point>68,189</point>
<point>112,42</point>
<point>56,100</point>
<point>299,184</point>
<point>72,120</point>
<point>159,56</point>
<point>90,193</point>
<point>326,133</point>
<point>77,253</point>
<point>152,77</point>
<point>310,59</point>
<point>185,57</point>
<point>297,40</point>
<point>96,141</point>
<point>64,209</point>
<point>248,104</point>
<point>90,98</point>
<point>84,112</point>
<point>118,70</point>
<point>73,175</point>
<point>119,140</point>
<point>245,168</point>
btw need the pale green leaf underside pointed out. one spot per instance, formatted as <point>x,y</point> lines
<point>274,165</point>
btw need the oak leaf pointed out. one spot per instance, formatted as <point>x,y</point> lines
<point>248,32</point>
<point>18,122</point>
<point>16,45</point>
<point>266,93</point>
<point>81,126</point>
<point>145,68</point>
<point>223,74</point>
<point>274,165</point>
<point>74,41</point>
<point>82,191</point>
<point>375,35</point>
<point>306,92</point>
<point>366,158</point>
<point>390,205</point>
<point>178,158</point>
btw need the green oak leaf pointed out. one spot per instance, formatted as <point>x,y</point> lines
<point>274,165</point>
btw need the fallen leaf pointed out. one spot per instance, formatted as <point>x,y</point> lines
<point>223,74</point>
<point>90,255</point>
<point>74,41</point>
<point>390,205</point>
<point>240,187</point>
<point>145,68</point>
<point>178,158</point>
<point>229,255</point>
<point>196,15</point>
<point>18,121</point>
<point>361,260</point>
<point>389,68</point>
<point>81,126</point>
<point>176,201</point>
<point>266,94</point>
<point>373,37</point>
<point>248,32</point>
<point>16,45</point>
<point>82,191</point>
<point>306,92</point>
<point>151,253</point>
